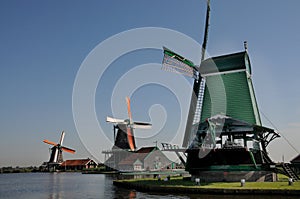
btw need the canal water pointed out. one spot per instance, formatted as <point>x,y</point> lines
<point>77,185</point>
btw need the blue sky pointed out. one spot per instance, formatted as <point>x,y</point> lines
<point>44,43</point>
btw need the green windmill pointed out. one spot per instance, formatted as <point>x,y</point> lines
<point>224,136</point>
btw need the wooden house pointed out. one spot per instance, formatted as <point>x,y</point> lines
<point>145,159</point>
<point>78,164</point>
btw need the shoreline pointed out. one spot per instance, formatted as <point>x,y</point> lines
<point>182,189</point>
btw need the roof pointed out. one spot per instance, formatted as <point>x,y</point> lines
<point>235,61</point>
<point>76,162</point>
<point>223,123</point>
<point>140,154</point>
<point>296,159</point>
<point>146,149</point>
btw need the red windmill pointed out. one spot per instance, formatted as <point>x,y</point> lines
<point>124,128</point>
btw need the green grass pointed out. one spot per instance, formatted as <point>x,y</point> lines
<point>282,184</point>
<point>255,185</point>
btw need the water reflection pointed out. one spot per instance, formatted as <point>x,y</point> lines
<point>77,185</point>
<point>54,190</point>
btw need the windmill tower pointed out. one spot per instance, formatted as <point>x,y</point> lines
<point>124,140</point>
<point>56,157</point>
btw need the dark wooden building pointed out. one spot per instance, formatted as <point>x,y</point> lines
<point>296,164</point>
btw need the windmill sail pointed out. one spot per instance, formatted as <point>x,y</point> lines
<point>130,135</point>
<point>141,125</point>
<point>131,140</point>
<point>66,149</point>
<point>49,142</point>
<point>114,120</point>
<point>173,62</point>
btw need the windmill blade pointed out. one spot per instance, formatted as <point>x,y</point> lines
<point>174,62</point>
<point>130,138</point>
<point>62,137</point>
<point>114,120</point>
<point>128,109</point>
<point>141,125</point>
<point>54,155</point>
<point>66,149</point>
<point>49,142</point>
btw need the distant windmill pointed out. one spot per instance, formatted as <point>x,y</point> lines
<point>56,151</point>
<point>124,127</point>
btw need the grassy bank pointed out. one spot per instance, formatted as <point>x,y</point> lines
<point>180,185</point>
<point>179,182</point>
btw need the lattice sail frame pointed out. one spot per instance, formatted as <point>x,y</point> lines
<point>175,63</point>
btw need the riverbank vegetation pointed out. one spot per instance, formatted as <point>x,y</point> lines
<point>19,169</point>
<point>99,169</point>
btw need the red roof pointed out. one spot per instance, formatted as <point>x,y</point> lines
<point>141,154</point>
<point>77,162</point>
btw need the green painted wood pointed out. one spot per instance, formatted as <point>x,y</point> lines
<point>231,94</point>
<point>228,62</point>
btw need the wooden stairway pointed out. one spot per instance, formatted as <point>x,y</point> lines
<point>290,172</point>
